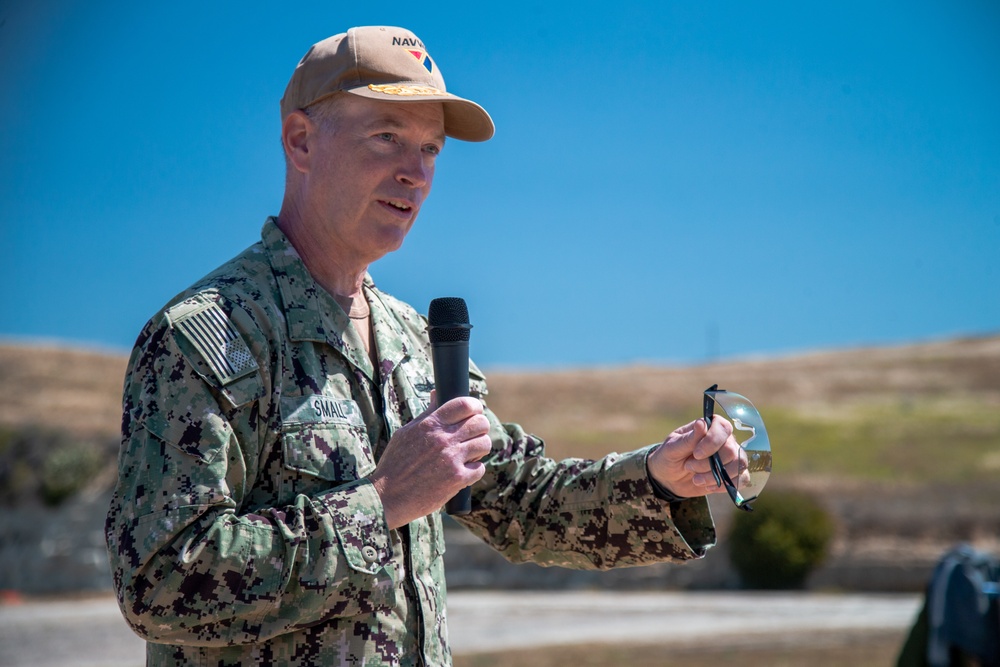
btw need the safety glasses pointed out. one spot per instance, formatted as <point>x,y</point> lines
<point>755,450</point>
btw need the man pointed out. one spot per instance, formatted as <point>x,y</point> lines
<point>284,462</point>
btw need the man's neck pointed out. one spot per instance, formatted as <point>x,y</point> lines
<point>342,281</point>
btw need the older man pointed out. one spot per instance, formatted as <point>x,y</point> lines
<point>283,461</point>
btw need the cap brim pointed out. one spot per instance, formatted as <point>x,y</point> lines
<point>463,119</point>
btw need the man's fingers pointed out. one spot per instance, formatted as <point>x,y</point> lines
<point>477,449</point>
<point>463,418</point>
<point>715,439</point>
<point>703,466</point>
<point>680,444</point>
<point>472,428</point>
<point>457,410</point>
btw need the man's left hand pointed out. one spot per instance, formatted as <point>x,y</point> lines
<point>681,463</point>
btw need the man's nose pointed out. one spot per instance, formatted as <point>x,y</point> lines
<point>415,171</point>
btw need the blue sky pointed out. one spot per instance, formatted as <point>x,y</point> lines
<point>669,182</point>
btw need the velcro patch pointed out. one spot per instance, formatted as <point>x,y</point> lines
<point>319,409</point>
<point>221,346</point>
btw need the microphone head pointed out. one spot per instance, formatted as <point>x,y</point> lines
<point>448,318</point>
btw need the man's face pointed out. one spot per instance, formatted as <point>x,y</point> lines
<point>371,173</point>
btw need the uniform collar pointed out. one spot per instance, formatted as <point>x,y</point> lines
<point>312,314</point>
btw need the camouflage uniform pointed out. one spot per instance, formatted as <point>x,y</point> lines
<point>243,530</point>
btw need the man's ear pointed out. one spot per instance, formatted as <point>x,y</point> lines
<point>297,131</point>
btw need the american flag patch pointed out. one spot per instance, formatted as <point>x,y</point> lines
<point>209,330</point>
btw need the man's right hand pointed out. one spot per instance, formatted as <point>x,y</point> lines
<point>430,459</point>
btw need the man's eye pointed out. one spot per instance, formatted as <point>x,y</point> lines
<point>386,136</point>
<point>432,149</point>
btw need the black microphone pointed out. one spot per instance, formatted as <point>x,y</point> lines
<point>448,318</point>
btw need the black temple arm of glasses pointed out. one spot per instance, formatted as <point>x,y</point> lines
<point>719,470</point>
<point>708,406</point>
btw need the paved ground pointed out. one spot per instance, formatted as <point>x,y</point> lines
<point>91,633</point>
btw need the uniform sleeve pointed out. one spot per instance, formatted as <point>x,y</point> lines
<point>193,560</point>
<point>578,513</point>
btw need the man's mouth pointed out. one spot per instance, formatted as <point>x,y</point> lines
<point>398,205</point>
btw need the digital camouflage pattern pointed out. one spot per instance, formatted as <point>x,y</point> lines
<point>243,530</point>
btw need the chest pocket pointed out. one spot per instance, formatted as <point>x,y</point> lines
<point>324,442</point>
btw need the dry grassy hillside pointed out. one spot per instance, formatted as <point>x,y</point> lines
<point>80,391</point>
<point>821,383</point>
<point>60,388</point>
<point>902,443</point>
<point>928,414</point>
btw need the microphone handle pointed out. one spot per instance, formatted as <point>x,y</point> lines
<point>461,503</point>
<point>451,380</point>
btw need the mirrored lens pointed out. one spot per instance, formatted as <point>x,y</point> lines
<point>750,433</point>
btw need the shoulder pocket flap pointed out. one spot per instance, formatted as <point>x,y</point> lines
<point>216,349</point>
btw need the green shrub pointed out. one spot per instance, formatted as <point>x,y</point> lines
<point>47,466</point>
<point>784,539</point>
<point>66,470</point>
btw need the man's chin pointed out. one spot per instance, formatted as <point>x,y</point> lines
<point>392,240</point>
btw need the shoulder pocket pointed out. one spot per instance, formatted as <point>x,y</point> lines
<point>216,350</point>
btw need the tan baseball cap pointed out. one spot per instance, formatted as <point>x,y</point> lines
<point>382,63</point>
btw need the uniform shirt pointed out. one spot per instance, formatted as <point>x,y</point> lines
<point>243,529</point>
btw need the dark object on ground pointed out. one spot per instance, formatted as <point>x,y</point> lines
<point>959,625</point>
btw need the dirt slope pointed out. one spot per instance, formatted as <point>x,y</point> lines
<point>80,390</point>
